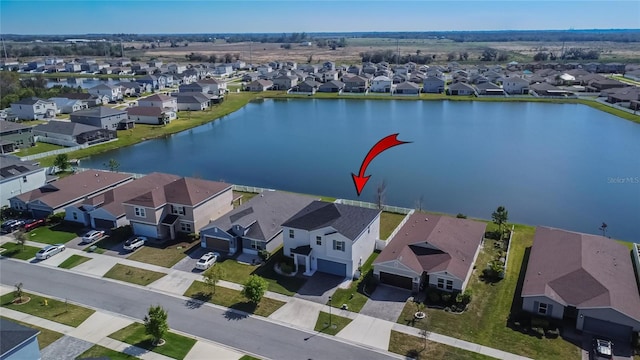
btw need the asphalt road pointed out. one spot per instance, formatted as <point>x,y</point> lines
<point>250,334</point>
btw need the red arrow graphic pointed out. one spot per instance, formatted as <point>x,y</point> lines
<point>387,142</point>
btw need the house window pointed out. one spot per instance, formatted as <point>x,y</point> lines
<point>542,309</point>
<point>338,245</point>
<point>140,212</point>
<point>290,233</point>
<point>255,245</point>
<point>449,284</point>
<point>24,179</point>
<point>318,240</point>
<point>177,210</point>
<point>440,283</point>
<point>75,216</point>
<point>185,227</point>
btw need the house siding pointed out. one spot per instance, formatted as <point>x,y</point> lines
<point>210,210</point>
<point>433,280</point>
<point>149,218</point>
<point>397,268</point>
<point>15,186</point>
<point>529,303</point>
<point>22,138</point>
<point>27,350</point>
<point>364,245</point>
<point>81,217</point>
<point>606,314</point>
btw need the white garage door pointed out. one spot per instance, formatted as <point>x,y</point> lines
<point>145,230</point>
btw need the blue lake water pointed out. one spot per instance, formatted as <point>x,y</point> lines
<point>562,165</point>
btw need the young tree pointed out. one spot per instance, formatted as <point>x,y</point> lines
<point>500,217</point>
<point>380,191</point>
<point>112,165</point>
<point>17,294</point>
<point>61,162</point>
<point>21,238</point>
<point>254,288</point>
<point>155,323</point>
<point>212,276</point>
<point>603,228</point>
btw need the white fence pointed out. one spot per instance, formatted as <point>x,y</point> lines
<point>387,208</point>
<point>61,151</point>
<point>506,260</point>
<point>636,258</point>
<point>250,189</point>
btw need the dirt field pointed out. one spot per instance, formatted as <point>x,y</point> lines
<point>264,52</point>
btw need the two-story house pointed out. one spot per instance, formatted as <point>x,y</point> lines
<point>254,225</point>
<point>15,136</point>
<point>103,117</point>
<point>216,86</point>
<point>18,177</point>
<point>331,238</point>
<point>112,92</point>
<point>355,84</point>
<point>382,84</point>
<point>160,101</point>
<point>185,205</point>
<point>514,85</point>
<point>34,108</point>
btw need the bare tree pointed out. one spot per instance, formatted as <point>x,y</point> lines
<point>21,238</point>
<point>603,228</point>
<point>380,194</point>
<point>420,203</point>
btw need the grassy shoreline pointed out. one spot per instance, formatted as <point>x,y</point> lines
<point>235,101</point>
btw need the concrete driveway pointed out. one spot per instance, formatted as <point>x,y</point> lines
<point>188,264</point>
<point>319,287</point>
<point>386,303</point>
<point>116,250</point>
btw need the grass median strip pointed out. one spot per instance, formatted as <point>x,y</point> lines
<point>73,261</point>
<point>16,251</point>
<point>332,327</point>
<point>46,336</point>
<point>419,348</point>
<point>176,346</point>
<point>232,299</point>
<point>133,275</point>
<point>100,352</point>
<point>54,310</point>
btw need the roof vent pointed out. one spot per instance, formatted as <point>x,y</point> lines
<point>426,219</point>
<point>539,273</point>
<point>97,174</point>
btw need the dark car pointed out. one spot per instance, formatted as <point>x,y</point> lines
<point>10,226</point>
<point>32,224</point>
<point>602,349</point>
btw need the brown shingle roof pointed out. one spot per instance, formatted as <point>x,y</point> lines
<point>582,270</point>
<point>435,243</point>
<point>74,187</point>
<point>157,97</point>
<point>185,191</point>
<point>145,111</point>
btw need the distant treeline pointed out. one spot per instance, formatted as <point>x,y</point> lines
<point>14,88</point>
<point>79,49</point>
<point>617,35</point>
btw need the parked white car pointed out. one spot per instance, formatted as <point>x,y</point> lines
<point>48,251</point>
<point>207,260</point>
<point>92,236</point>
<point>134,243</point>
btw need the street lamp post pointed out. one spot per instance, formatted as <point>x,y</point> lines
<point>329,311</point>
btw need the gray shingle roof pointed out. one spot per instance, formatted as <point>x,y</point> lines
<point>348,220</point>
<point>6,126</point>
<point>13,334</point>
<point>263,214</point>
<point>65,128</point>
<point>100,111</point>
<point>12,166</point>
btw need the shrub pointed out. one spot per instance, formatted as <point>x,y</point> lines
<point>55,218</point>
<point>461,216</point>
<point>446,297</point>
<point>286,268</point>
<point>264,254</point>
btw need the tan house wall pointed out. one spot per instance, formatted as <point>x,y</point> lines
<point>210,210</point>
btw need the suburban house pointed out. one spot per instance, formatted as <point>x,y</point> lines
<point>18,341</point>
<point>112,92</point>
<point>355,84</point>
<point>106,210</point>
<point>66,133</point>
<point>284,82</point>
<point>431,250</point>
<point>67,106</point>
<point>307,87</point>
<point>216,86</point>
<point>223,70</point>
<point>488,88</point>
<point>254,225</point>
<point>14,136</point>
<point>176,68</point>
<point>514,85</point>
<point>192,101</point>
<point>460,88</point>
<point>584,278</point>
<point>433,85</point>
<point>160,101</point>
<point>156,82</point>
<point>18,177</point>
<point>134,88</point>
<point>151,115</point>
<point>34,109</point>
<point>333,86</point>
<point>259,85</point>
<point>407,88</point>
<point>184,205</point>
<point>56,196</point>
<point>103,117</point>
<point>72,67</point>
<point>381,84</point>
<point>331,238</point>
<point>91,100</point>
<point>195,87</point>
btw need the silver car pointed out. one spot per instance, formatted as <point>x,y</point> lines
<point>48,251</point>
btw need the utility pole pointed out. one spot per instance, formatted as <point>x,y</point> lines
<point>398,50</point>
<point>250,59</point>
<point>5,50</point>
<point>121,49</point>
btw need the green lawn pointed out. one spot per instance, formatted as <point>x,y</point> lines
<point>239,273</point>
<point>176,346</point>
<point>55,310</point>
<point>16,251</point>
<point>388,223</point>
<point>133,275</point>
<point>165,257</point>
<point>38,148</point>
<point>354,296</point>
<point>485,321</point>
<point>99,352</point>
<point>57,234</point>
<point>248,357</point>
<point>246,196</point>
<point>46,336</point>
<point>73,261</point>
<point>232,299</point>
<point>337,323</point>
<point>419,349</point>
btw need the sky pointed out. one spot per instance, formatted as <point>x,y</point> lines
<point>243,16</point>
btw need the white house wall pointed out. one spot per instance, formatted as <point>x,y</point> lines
<point>364,245</point>
<point>16,186</point>
<point>528,304</point>
<point>301,238</point>
<point>395,267</point>
<point>325,251</point>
